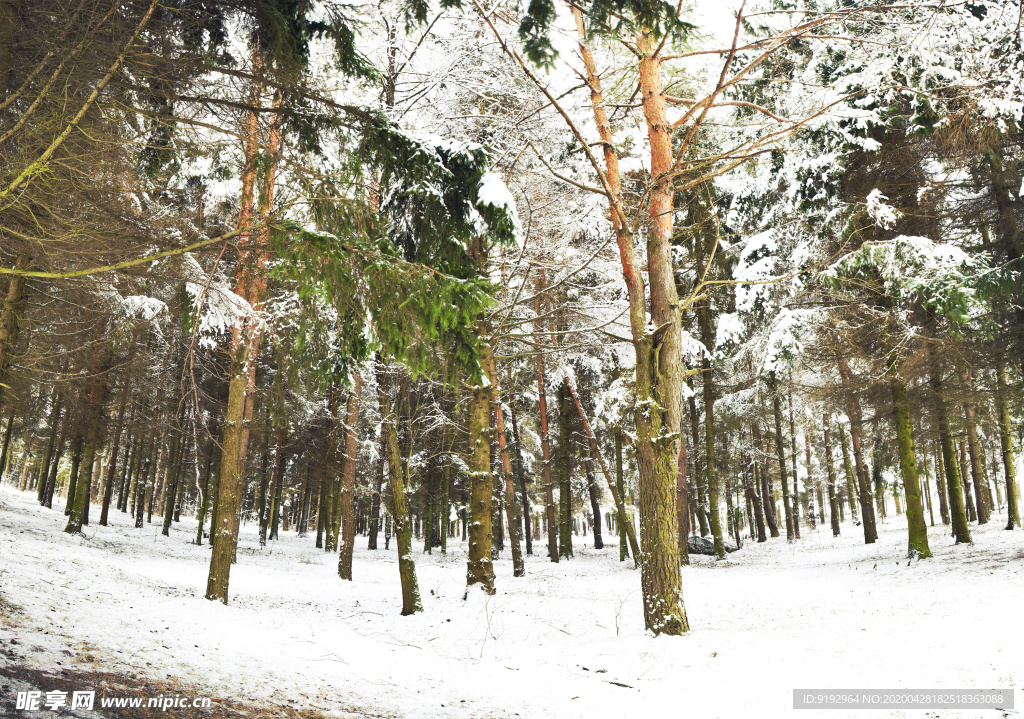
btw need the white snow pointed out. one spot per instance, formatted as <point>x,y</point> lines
<point>820,613</point>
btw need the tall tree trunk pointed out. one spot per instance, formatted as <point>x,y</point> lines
<point>851,482</point>
<point>756,508</point>
<point>564,474</point>
<point>974,449</point>
<point>659,367</point>
<point>511,510</point>
<point>375,499</point>
<point>204,493</point>
<point>780,454</point>
<point>833,499</point>
<point>958,512</point>
<point>545,440</point>
<point>54,427</point>
<point>520,475</point>
<point>795,497</point>
<point>917,530</point>
<point>398,507</point>
<point>1006,445</point>
<point>867,507</point>
<point>93,425</point>
<point>683,503</point>
<point>767,494</point>
<point>480,569</point>
<point>620,507</point>
<point>711,469</point>
<point>251,285</point>
<point>348,489</point>
<point>595,504</point>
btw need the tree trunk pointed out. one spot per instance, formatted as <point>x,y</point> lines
<point>974,449</point>
<point>375,500</point>
<point>545,440</point>
<point>348,489</point>
<point>398,508</point>
<point>480,569</point>
<point>780,454</point>
<point>833,500</point>
<point>710,469</point>
<point>767,494</point>
<point>511,511</point>
<point>1006,445</point>
<point>520,474</point>
<point>795,498</point>
<point>917,542</point>
<point>564,474</point>
<point>958,512</point>
<point>867,508</point>
<point>10,318</point>
<point>91,442</point>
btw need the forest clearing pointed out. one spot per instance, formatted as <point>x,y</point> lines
<point>545,359</point>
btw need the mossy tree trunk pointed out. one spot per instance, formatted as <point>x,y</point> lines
<point>397,504</point>
<point>917,530</point>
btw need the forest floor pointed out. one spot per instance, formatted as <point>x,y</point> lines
<point>121,610</point>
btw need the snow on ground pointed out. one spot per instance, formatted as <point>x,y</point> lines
<point>566,641</point>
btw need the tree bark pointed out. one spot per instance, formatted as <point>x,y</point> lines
<point>780,454</point>
<point>917,530</point>
<point>1006,445</point>
<point>480,569</point>
<point>348,489</point>
<point>957,510</point>
<point>399,510</point>
<point>511,510</point>
<point>867,507</point>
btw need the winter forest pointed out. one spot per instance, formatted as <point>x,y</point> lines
<point>487,358</point>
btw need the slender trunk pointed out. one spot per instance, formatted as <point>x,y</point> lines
<point>958,512</point>
<point>545,440</point>
<point>480,569</point>
<point>974,449</point>
<point>622,519</point>
<point>683,503</point>
<point>780,454</point>
<point>520,475</point>
<point>564,474</point>
<point>1006,445</point>
<point>398,509</point>
<point>767,493</point>
<point>711,468</point>
<point>204,493</point>
<point>511,510</point>
<point>795,498</point>
<point>756,507</point>
<point>348,489</point>
<point>972,512</point>
<point>867,508</point>
<point>93,426</point>
<point>833,500</point>
<point>375,500</point>
<point>917,542</point>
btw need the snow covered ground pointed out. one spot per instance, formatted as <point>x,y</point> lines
<point>565,641</point>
